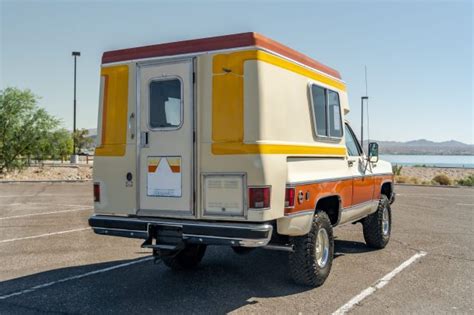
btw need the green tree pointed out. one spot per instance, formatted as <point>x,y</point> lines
<point>61,141</point>
<point>82,140</point>
<point>56,145</point>
<point>24,127</point>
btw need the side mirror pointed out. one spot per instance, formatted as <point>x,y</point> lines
<point>373,152</point>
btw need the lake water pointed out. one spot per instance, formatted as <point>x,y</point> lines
<point>466,161</point>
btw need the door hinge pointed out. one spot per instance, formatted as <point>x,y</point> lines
<point>194,77</point>
<point>194,136</point>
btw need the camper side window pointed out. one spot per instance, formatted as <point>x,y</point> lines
<point>326,112</point>
<point>165,104</point>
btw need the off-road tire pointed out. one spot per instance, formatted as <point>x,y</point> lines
<point>187,258</point>
<point>373,226</point>
<point>304,268</point>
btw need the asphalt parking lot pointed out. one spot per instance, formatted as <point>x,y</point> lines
<point>50,261</point>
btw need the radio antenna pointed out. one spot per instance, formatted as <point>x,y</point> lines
<point>366,89</point>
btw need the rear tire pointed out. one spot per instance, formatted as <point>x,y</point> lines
<point>187,258</point>
<point>378,226</point>
<point>311,261</point>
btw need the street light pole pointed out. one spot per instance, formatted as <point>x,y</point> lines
<point>75,54</point>
<point>362,120</point>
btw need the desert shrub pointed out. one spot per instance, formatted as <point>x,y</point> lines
<point>467,181</point>
<point>397,169</point>
<point>401,179</point>
<point>442,179</point>
<point>406,180</point>
<point>426,182</point>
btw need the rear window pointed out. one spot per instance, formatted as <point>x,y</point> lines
<point>326,110</point>
<point>165,104</point>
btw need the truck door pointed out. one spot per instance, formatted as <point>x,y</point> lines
<point>166,139</point>
<point>362,183</point>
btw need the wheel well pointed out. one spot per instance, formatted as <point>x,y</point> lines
<point>387,189</point>
<point>330,205</point>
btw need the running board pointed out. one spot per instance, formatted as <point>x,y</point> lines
<point>285,248</point>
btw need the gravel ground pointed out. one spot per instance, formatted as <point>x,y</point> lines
<point>51,172</point>
<point>84,172</point>
<point>427,173</point>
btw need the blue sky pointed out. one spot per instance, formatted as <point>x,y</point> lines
<point>418,53</point>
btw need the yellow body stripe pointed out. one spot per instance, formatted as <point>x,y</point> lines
<point>114,112</point>
<point>242,148</point>
<point>228,105</point>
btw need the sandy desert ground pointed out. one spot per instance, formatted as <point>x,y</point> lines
<point>409,174</point>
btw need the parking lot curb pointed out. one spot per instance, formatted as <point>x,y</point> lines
<point>438,186</point>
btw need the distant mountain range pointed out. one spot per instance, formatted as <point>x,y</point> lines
<point>415,147</point>
<point>426,147</point>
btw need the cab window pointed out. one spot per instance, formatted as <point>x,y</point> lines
<point>352,145</point>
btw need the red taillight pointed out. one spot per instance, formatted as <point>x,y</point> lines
<point>289,197</point>
<point>259,197</point>
<point>96,192</point>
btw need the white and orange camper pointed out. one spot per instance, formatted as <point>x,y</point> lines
<point>233,140</point>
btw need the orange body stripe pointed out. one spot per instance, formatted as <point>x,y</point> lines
<point>369,190</point>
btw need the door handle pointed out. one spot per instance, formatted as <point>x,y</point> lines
<point>131,125</point>
<point>144,139</point>
<point>350,163</point>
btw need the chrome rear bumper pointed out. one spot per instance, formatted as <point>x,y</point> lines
<point>171,231</point>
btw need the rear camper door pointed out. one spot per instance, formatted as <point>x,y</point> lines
<point>166,139</point>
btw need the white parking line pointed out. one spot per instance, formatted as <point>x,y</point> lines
<point>377,285</point>
<point>43,213</point>
<point>87,274</point>
<point>42,235</point>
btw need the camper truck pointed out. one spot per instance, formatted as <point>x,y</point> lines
<point>234,141</point>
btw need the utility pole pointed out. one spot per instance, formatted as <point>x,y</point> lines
<point>74,157</point>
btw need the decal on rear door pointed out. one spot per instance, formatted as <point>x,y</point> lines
<point>164,176</point>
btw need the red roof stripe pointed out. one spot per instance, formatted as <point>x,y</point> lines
<point>215,43</point>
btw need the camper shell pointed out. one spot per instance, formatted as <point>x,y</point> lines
<point>232,140</point>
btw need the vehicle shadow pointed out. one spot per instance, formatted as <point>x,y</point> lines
<point>343,247</point>
<point>223,282</point>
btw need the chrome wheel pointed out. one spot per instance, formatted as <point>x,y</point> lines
<point>322,248</point>
<point>385,221</point>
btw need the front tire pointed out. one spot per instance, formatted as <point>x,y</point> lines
<point>187,258</point>
<point>311,261</point>
<point>378,226</point>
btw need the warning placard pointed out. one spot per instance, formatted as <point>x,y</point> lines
<point>164,176</point>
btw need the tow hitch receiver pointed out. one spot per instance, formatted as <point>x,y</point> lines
<point>168,238</point>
